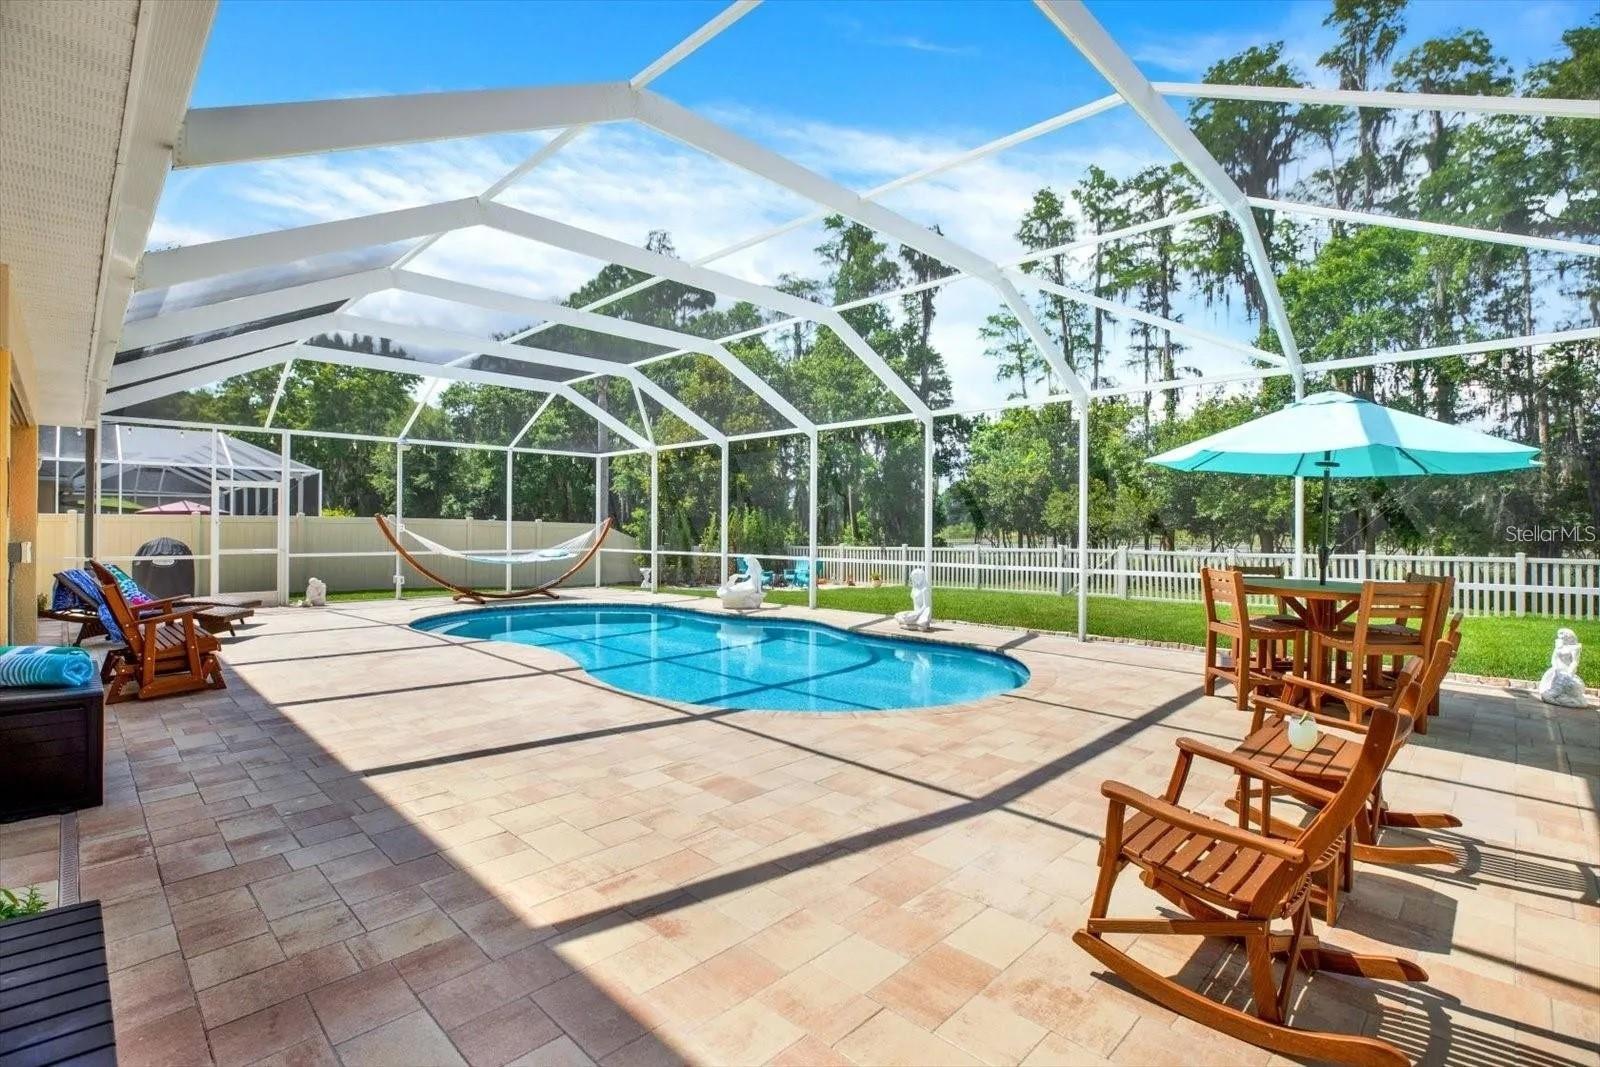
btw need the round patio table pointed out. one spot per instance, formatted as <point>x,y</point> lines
<point>1322,606</point>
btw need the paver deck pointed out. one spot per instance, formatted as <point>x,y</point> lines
<point>381,846</point>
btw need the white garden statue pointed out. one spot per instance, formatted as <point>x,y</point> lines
<point>920,617</point>
<point>1561,684</point>
<point>316,593</point>
<point>646,576</point>
<point>743,592</point>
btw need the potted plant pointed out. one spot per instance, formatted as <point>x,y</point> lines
<point>877,581</point>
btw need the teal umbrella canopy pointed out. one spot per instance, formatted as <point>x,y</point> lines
<point>1360,439</point>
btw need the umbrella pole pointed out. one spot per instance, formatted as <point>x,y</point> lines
<point>1327,487</point>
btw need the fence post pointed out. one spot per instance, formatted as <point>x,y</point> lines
<point>1122,572</point>
<point>1361,565</point>
<point>977,573</point>
<point>1061,569</point>
<point>1522,583</point>
<point>905,569</point>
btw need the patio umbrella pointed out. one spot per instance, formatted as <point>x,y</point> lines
<point>1342,436</point>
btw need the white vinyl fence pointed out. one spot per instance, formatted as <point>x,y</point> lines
<point>1485,585</point>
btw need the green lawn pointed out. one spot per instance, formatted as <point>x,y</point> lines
<point>1495,647</point>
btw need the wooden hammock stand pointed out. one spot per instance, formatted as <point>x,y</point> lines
<point>477,596</point>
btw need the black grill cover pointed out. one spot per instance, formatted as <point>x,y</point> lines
<point>161,577</point>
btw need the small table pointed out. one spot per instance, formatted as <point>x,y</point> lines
<point>1322,606</point>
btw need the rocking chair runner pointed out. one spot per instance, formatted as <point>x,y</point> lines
<point>482,596</point>
<point>165,653</point>
<point>1236,883</point>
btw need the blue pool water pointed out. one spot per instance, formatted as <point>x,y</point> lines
<point>728,662</point>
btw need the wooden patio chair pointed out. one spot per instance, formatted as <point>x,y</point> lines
<point>1237,883</point>
<point>1253,640</point>
<point>1433,627</point>
<point>1391,621</point>
<point>164,653</point>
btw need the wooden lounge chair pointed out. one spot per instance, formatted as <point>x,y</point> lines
<point>1236,883</point>
<point>164,653</point>
<point>1252,639</point>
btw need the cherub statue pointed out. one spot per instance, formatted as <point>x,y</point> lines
<point>920,617</point>
<point>1561,685</point>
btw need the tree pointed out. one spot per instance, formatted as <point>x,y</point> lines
<point>1047,226</point>
<point>1017,359</point>
<point>1367,33</point>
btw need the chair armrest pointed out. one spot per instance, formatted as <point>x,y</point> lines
<point>158,602</point>
<point>1331,690</point>
<point>169,616</point>
<point>1172,815</point>
<point>1251,768</point>
<point>1284,710</point>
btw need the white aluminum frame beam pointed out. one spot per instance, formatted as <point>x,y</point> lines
<point>442,338</point>
<point>684,125</point>
<point>607,250</point>
<point>234,312</point>
<point>1080,27</point>
<point>610,325</point>
<point>215,372</point>
<point>1442,229</point>
<point>351,287</point>
<point>1000,144</point>
<point>216,135</point>
<point>239,253</point>
<point>1177,329</point>
<point>169,267</point>
<point>679,52</point>
<point>223,348</point>
<point>1534,107</point>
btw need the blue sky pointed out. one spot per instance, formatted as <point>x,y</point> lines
<point>864,92</point>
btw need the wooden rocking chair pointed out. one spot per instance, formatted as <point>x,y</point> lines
<point>164,653</point>
<point>1235,883</point>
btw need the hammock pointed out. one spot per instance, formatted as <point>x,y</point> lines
<point>581,548</point>
<point>577,546</point>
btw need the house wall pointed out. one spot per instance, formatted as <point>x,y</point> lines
<point>20,445</point>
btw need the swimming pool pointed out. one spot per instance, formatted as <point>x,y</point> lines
<point>730,662</point>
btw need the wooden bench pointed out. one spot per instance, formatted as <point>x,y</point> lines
<point>55,994</point>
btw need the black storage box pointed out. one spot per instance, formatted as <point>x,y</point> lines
<point>52,751</point>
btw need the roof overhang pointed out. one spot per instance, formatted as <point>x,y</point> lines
<point>79,181</point>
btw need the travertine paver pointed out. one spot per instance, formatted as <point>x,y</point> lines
<point>383,846</point>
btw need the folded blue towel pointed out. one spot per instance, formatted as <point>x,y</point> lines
<point>59,666</point>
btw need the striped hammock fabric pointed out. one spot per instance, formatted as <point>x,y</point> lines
<point>570,549</point>
<point>56,666</point>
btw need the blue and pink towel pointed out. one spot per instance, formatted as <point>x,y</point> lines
<point>77,587</point>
